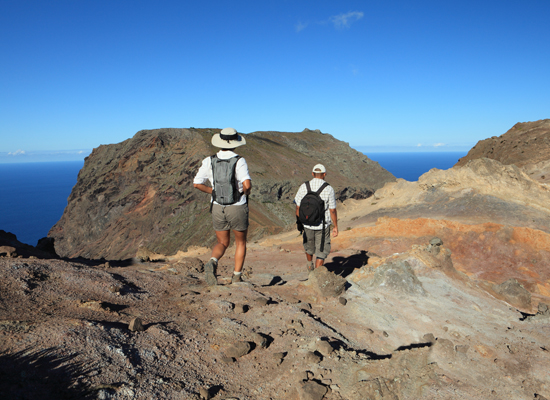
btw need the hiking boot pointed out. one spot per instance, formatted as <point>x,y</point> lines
<point>210,273</point>
<point>236,278</point>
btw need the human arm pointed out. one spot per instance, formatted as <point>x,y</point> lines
<point>204,175</point>
<point>299,224</point>
<point>247,186</point>
<point>334,218</point>
<point>203,188</point>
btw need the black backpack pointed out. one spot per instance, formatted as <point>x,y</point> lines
<point>225,190</point>
<point>312,209</point>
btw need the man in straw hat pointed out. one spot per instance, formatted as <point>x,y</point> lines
<point>230,187</point>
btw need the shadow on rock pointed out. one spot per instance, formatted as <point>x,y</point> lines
<point>344,266</point>
<point>42,374</point>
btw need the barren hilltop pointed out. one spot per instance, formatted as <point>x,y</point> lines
<point>138,194</point>
<point>526,145</point>
<point>435,289</point>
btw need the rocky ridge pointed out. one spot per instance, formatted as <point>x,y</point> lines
<point>483,190</point>
<point>526,145</point>
<point>139,193</point>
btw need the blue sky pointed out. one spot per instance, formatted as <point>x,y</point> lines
<point>381,75</point>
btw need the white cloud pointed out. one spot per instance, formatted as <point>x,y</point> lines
<point>439,144</point>
<point>345,20</point>
<point>300,26</point>
<point>419,145</point>
<point>16,153</point>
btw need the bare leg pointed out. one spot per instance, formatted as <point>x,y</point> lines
<point>223,243</point>
<point>240,249</point>
<point>319,262</point>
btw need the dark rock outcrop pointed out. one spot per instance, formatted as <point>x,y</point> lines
<point>11,247</point>
<point>525,145</point>
<point>139,193</point>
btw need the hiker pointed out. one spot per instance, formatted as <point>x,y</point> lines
<point>230,187</point>
<point>315,212</point>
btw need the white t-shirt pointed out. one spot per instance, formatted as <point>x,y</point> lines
<point>241,173</point>
<point>327,195</point>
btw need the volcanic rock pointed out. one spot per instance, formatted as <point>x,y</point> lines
<point>310,390</point>
<point>483,190</point>
<point>139,193</point>
<point>525,145</point>
<point>325,348</point>
<point>238,349</point>
<point>46,244</point>
<point>514,293</point>
<point>14,248</point>
<point>136,325</point>
<point>8,251</point>
<point>395,275</point>
<point>312,357</point>
<point>326,283</point>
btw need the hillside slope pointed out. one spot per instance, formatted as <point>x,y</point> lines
<point>139,193</point>
<point>525,145</point>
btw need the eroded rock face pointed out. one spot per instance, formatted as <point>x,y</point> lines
<point>526,145</point>
<point>483,190</point>
<point>139,193</point>
<point>487,252</point>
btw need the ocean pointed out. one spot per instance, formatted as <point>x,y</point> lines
<point>34,195</point>
<point>410,166</point>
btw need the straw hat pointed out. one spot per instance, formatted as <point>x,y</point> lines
<point>228,138</point>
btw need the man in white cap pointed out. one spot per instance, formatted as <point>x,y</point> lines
<point>230,187</point>
<point>316,211</point>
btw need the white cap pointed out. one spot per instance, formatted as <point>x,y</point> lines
<point>319,169</point>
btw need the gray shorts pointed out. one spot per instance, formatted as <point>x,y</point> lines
<point>233,218</point>
<point>312,242</point>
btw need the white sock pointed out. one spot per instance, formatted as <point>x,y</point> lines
<point>236,273</point>
<point>215,259</point>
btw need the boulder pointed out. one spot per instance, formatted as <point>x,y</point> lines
<point>46,244</point>
<point>514,293</point>
<point>310,390</point>
<point>136,325</point>
<point>326,283</point>
<point>238,349</point>
<point>395,275</point>
<point>8,251</point>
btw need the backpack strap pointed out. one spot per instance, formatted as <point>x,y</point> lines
<point>323,186</point>
<point>213,192</point>
<point>308,187</point>
<point>235,183</point>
